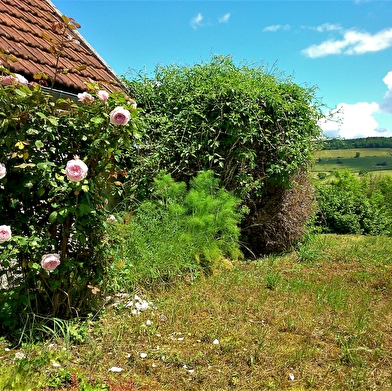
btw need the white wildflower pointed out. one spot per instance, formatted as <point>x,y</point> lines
<point>115,369</point>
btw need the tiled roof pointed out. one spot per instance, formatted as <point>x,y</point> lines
<point>22,23</point>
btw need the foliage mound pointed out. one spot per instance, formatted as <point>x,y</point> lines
<point>255,130</point>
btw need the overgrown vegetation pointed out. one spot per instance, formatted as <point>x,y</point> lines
<point>254,129</point>
<point>315,319</point>
<point>357,205</point>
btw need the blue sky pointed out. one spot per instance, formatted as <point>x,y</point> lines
<point>342,47</point>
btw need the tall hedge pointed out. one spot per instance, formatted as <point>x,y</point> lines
<point>254,129</point>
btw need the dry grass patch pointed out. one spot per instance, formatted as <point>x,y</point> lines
<point>322,323</point>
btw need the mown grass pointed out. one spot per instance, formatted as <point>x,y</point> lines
<point>370,159</point>
<point>319,318</point>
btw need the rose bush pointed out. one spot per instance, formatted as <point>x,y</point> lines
<point>55,203</point>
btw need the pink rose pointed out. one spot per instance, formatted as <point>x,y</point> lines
<point>3,170</point>
<point>8,80</point>
<point>103,96</point>
<point>85,97</point>
<point>13,79</point>
<point>5,233</point>
<point>76,170</point>
<point>50,261</point>
<point>119,116</point>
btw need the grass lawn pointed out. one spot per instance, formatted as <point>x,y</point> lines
<point>319,318</point>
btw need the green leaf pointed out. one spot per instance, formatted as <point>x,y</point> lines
<point>83,209</point>
<point>97,120</point>
<point>39,144</point>
<point>21,93</point>
<point>53,121</point>
<point>53,217</point>
<point>41,191</point>
<point>45,165</point>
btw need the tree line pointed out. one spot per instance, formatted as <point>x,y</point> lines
<point>368,142</point>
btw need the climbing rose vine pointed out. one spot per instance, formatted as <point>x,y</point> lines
<point>55,203</point>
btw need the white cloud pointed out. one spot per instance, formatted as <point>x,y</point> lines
<point>388,80</point>
<point>225,18</point>
<point>353,42</point>
<point>362,119</point>
<point>386,104</point>
<point>276,27</point>
<point>352,121</point>
<point>197,21</point>
<point>326,27</point>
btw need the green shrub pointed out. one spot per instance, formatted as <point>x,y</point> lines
<point>254,129</point>
<point>177,231</point>
<point>355,205</point>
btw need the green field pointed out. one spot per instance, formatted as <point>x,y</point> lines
<point>368,159</point>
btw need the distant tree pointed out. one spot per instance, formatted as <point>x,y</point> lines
<point>321,175</point>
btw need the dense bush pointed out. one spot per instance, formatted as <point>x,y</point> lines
<point>178,230</point>
<point>255,130</point>
<point>355,205</point>
<point>60,163</point>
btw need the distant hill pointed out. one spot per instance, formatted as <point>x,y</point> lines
<point>368,142</point>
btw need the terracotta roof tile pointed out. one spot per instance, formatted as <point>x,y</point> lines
<point>22,23</point>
